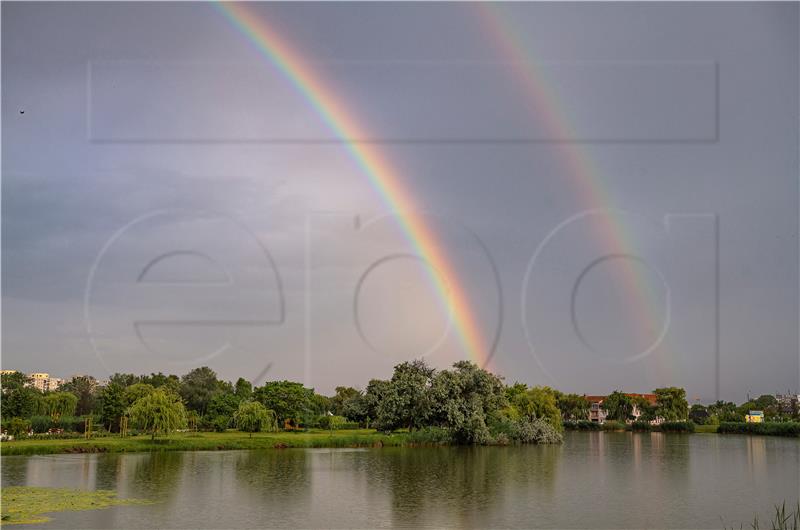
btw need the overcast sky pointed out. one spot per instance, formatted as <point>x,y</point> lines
<point>615,186</point>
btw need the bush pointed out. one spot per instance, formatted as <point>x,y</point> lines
<point>41,424</point>
<point>429,436</point>
<point>18,427</point>
<point>676,426</point>
<point>538,431</point>
<point>220,423</point>
<point>582,425</point>
<point>70,424</point>
<point>613,426</point>
<point>331,422</point>
<point>641,426</point>
<point>789,428</point>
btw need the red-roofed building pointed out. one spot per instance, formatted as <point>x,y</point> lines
<point>597,414</point>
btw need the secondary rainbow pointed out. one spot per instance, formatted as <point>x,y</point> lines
<point>384,178</point>
<point>610,231</point>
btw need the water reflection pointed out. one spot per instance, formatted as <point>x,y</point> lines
<point>594,480</point>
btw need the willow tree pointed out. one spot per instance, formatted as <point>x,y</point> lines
<point>158,413</point>
<point>59,404</point>
<point>252,417</point>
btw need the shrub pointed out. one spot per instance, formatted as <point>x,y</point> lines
<point>429,436</point>
<point>538,431</point>
<point>677,426</point>
<point>331,422</point>
<point>18,427</point>
<point>41,424</point>
<point>613,426</point>
<point>789,428</point>
<point>220,423</point>
<point>642,426</point>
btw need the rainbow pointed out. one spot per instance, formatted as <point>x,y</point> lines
<point>382,176</point>
<point>610,230</point>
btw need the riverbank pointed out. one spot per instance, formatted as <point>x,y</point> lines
<point>206,441</point>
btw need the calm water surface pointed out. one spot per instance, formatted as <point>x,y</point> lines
<point>593,480</point>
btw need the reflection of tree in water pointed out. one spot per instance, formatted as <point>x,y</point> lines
<point>463,486</point>
<point>269,476</point>
<point>153,475</point>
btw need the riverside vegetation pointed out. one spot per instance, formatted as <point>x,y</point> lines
<point>417,405</point>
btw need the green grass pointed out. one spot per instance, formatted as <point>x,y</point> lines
<point>206,441</point>
<point>706,429</point>
<point>25,505</point>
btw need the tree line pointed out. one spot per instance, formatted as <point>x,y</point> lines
<point>464,404</point>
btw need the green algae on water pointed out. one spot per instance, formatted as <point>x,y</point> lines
<point>22,504</point>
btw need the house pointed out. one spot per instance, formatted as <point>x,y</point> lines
<point>754,416</point>
<point>598,415</point>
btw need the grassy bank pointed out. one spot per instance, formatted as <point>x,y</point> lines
<point>205,441</point>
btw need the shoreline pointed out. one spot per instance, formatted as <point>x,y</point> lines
<point>230,440</point>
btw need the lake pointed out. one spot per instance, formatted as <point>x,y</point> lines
<point>611,480</point>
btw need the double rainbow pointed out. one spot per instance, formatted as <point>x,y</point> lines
<point>382,176</point>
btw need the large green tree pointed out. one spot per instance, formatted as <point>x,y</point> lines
<point>84,387</point>
<point>59,404</point>
<point>18,399</point>
<point>159,412</point>
<point>618,406</point>
<point>136,392</point>
<point>463,399</point>
<point>252,416</point>
<point>671,403</point>
<point>538,402</point>
<point>289,400</point>
<point>243,389</point>
<point>112,405</point>
<point>573,407</point>
<point>406,401</point>
<point>341,397</point>
<point>198,387</point>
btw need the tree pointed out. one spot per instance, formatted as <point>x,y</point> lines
<point>342,396</point>
<point>243,389</point>
<point>536,402</point>
<point>290,401</point>
<point>221,410</point>
<point>59,404</point>
<point>136,392</point>
<point>406,402</point>
<point>573,407</point>
<point>123,380</point>
<point>463,399</point>
<point>647,411</point>
<point>198,387</point>
<point>724,411</point>
<point>618,406</point>
<point>112,405</point>
<point>18,399</point>
<point>671,403</point>
<point>84,387</point>
<point>158,413</point>
<point>252,416</point>
<point>765,401</point>
<point>170,383</point>
<point>698,414</point>
<point>17,427</point>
